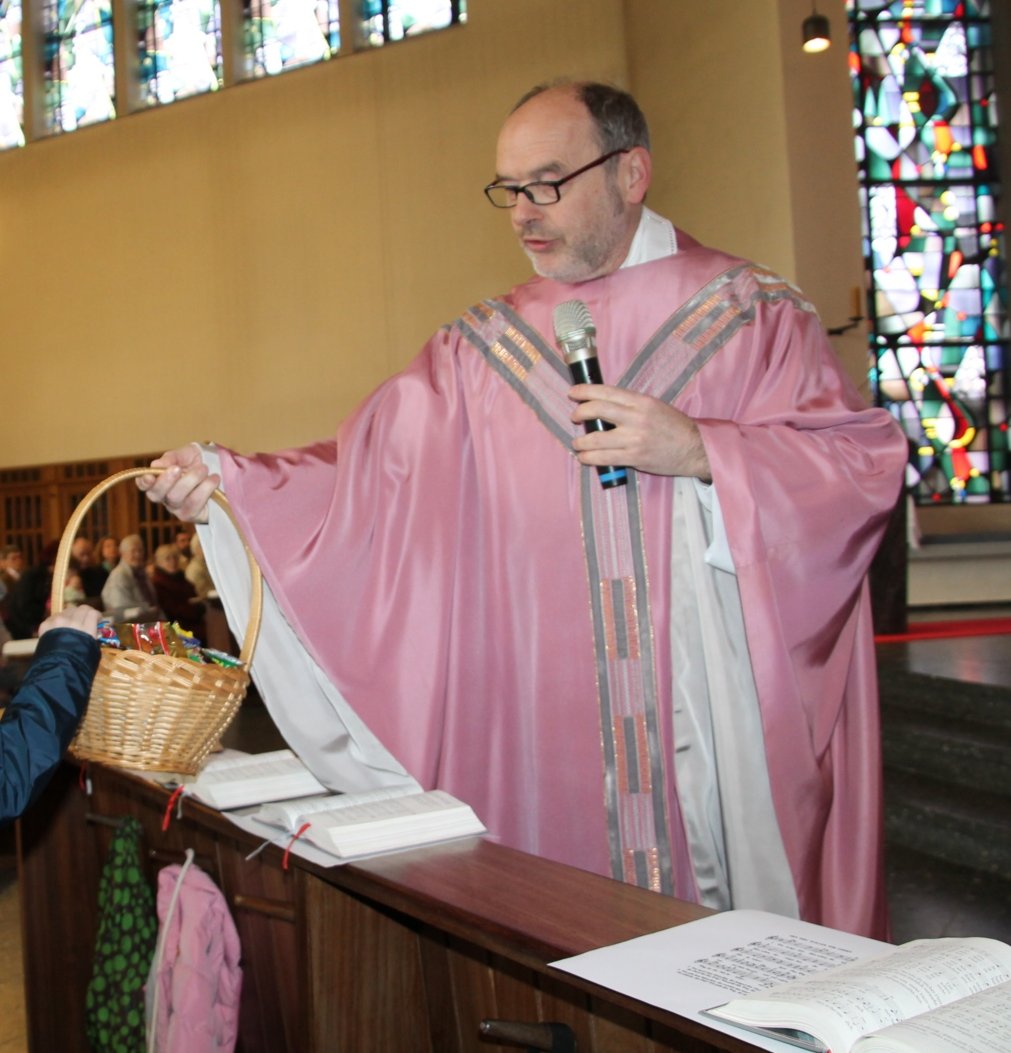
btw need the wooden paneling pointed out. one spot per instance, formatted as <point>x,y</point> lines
<point>37,502</point>
<point>58,871</point>
<point>367,989</point>
<point>267,907</point>
<point>407,952</point>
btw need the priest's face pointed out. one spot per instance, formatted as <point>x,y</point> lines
<point>588,231</point>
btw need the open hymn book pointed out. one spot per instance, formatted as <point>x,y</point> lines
<point>344,825</point>
<point>234,780</point>
<point>929,996</point>
<point>780,984</point>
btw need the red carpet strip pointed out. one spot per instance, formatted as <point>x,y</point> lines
<point>944,630</point>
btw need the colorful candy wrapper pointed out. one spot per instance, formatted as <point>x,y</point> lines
<point>227,661</point>
<point>151,638</point>
<point>107,635</point>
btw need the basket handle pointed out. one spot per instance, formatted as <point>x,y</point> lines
<point>74,524</point>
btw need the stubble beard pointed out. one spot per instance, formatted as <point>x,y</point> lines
<point>585,256</point>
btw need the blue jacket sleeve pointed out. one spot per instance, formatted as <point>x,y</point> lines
<point>41,719</point>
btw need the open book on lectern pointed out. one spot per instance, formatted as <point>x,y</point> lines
<point>783,984</point>
<point>948,995</point>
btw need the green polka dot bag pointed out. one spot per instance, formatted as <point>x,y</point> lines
<point>127,931</point>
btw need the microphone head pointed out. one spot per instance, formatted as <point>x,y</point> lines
<point>572,321</point>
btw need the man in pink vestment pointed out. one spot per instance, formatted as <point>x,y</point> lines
<point>670,682</point>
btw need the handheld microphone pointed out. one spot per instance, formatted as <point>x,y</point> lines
<point>576,336</point>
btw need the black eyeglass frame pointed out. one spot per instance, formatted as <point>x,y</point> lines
<point>555,184</point>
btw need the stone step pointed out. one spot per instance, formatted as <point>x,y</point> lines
<point>957,701</point>
<point>929,897</point>
<point>960,753</point>
<point>968,827</point>
<point>944,571</point>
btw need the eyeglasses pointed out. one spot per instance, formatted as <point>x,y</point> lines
<point>542,191</point>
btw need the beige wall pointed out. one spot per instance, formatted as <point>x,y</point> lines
<point>710,79</point>
<point>244,267</point>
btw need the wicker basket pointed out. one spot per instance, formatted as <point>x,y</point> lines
<point>157,712</point>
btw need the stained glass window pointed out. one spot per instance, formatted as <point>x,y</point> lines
<point>285,34</point>
<point>381,21</point>
<point>79,69</point>
<point>179,48</point>
<point>925,118</point>
<point>12,87</point>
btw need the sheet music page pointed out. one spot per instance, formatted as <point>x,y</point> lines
<point>762,963</point>
<point>980,1023</point>
<point>693,967</point>
<point>910,980</point>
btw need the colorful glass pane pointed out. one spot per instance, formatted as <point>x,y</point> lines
<point>179,48</point>
<point>12,86</point>
<point>79,71</point>
<point>925,118</point>
<point>381,21</point>
<point>285,34</point>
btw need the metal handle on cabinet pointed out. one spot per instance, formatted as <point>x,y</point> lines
<point>554,1038</point>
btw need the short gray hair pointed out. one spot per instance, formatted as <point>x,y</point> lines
<point>619,122</point>
<point>129,541</point>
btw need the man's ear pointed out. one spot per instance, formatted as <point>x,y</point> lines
<point>636,173</point>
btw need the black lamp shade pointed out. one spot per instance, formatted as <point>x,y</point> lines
<point>817,34</point>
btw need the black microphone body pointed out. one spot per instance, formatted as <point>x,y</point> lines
<point>575,333</point>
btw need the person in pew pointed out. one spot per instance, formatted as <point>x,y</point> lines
<point>107,553</point>
<point>128,594</point>
<point>196,571</point>
<point>40,720</point>
<point>28,602</point>
<point>183,542</point>
<point>12,563</point>
<point>670,681</point>
<point>93,575</point>
<point>176,595</point>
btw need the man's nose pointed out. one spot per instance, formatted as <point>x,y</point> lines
<point>524,211</point>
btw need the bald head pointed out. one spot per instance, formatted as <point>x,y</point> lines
<point>552,134</point>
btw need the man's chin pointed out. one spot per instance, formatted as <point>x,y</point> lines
<point>557,270</point>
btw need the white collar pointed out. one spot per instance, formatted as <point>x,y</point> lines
<point>655,238</point>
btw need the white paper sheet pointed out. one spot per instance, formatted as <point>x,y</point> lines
<point>704,963</point>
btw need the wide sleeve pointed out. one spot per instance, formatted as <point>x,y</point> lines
<point>358,540</point>
<point>40,721</point>
<point>807,476</point>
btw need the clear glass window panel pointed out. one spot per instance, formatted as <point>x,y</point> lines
<point>382,21</point>
<point>79,70</point>
<point>12,85</point>
<point>286,34</point>
<point>179,49</point>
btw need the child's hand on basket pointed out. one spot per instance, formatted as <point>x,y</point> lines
<point>83,618</point>
<point>185,486</point>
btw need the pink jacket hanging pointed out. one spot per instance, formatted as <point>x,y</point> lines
<point>196,981</point>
